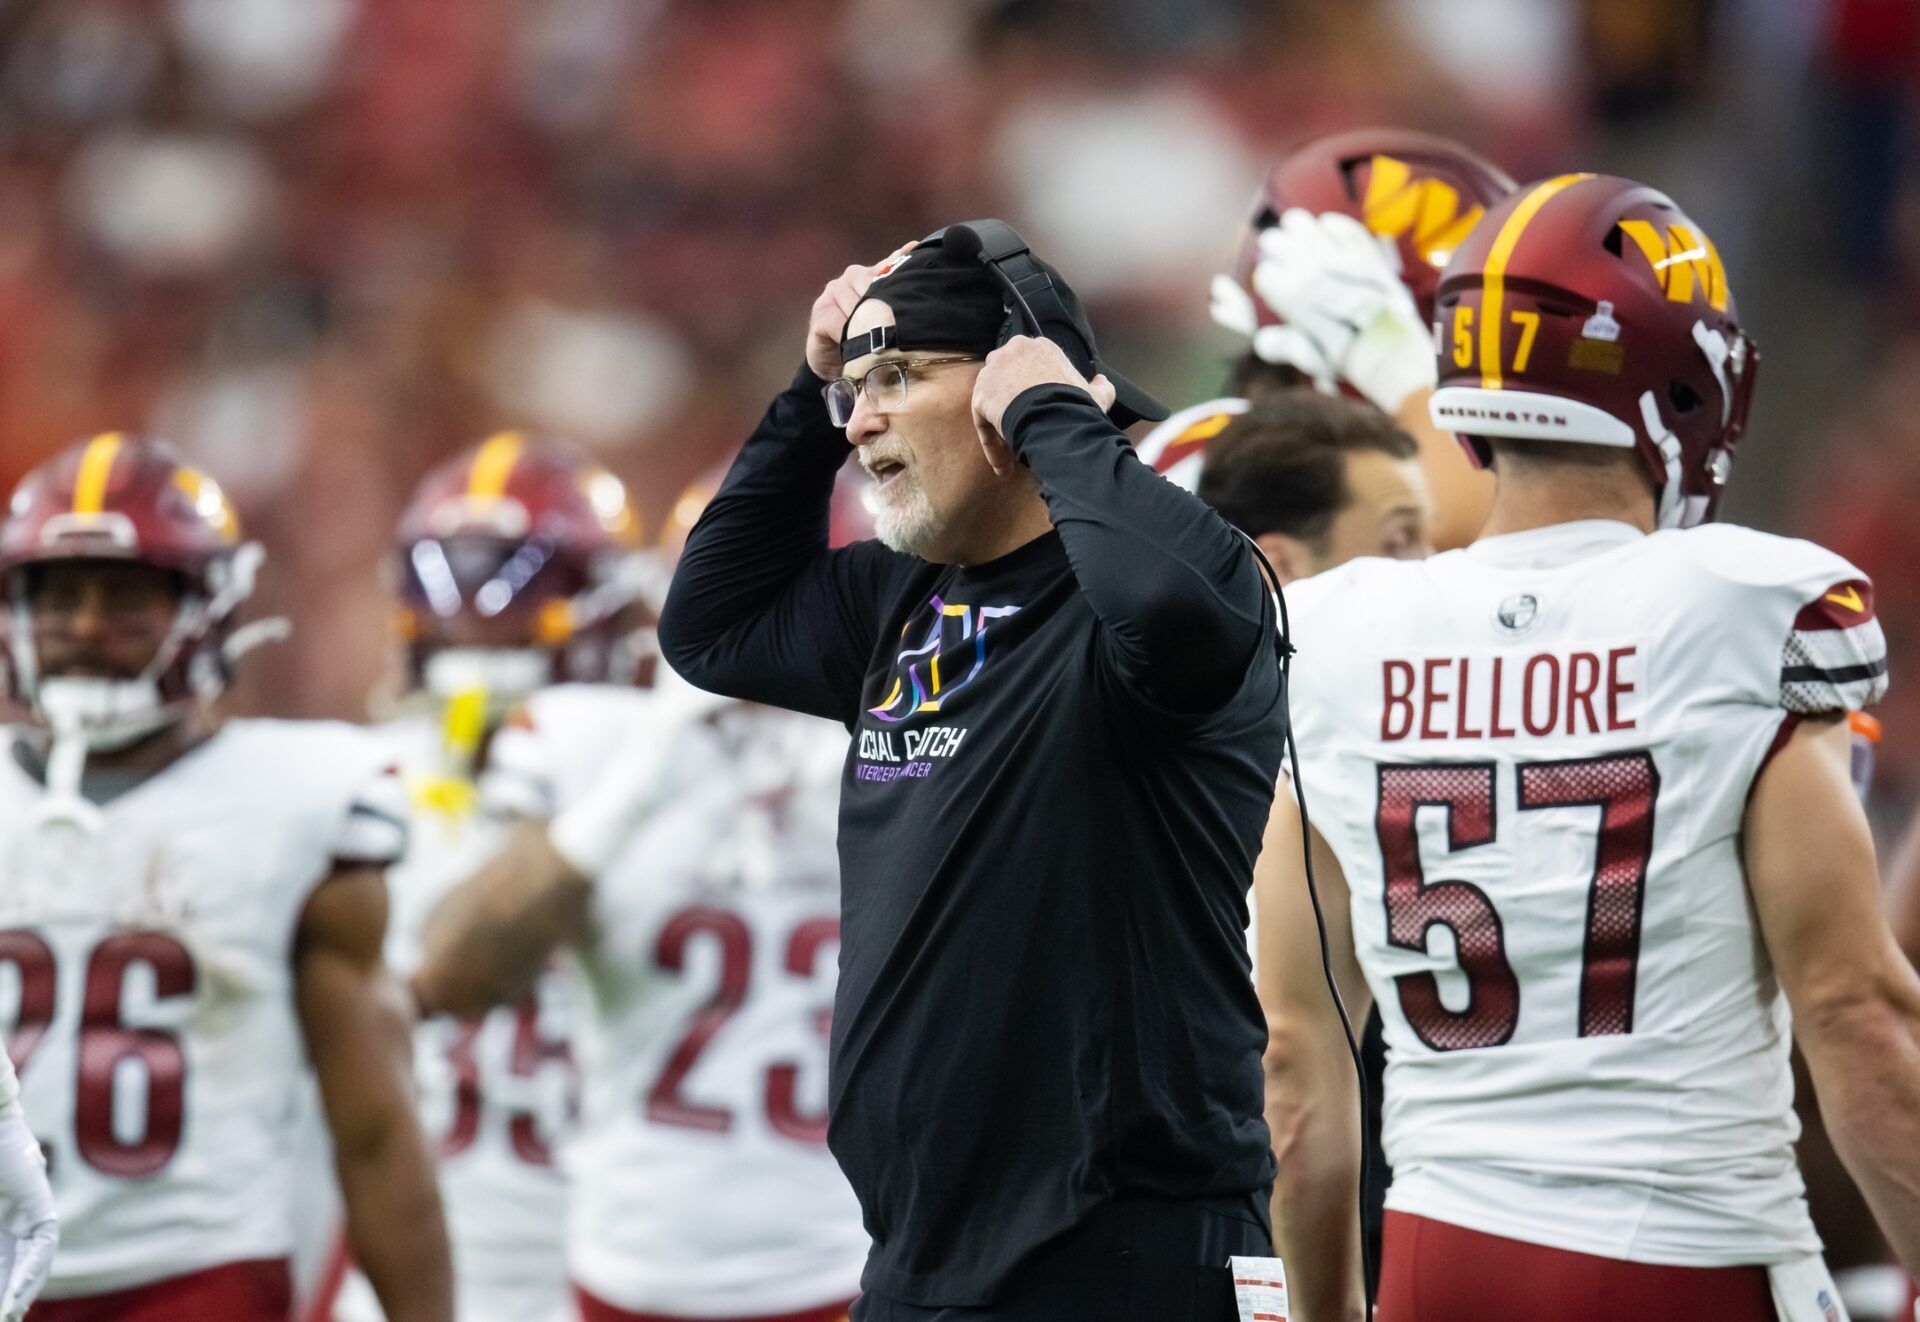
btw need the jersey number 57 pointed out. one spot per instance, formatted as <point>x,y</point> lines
<point>1622,787</point>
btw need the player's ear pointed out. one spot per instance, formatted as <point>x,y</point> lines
<point>999,454</point>
<point>1290,557</point>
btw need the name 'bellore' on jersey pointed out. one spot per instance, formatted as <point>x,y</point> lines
<point>1489,696</point>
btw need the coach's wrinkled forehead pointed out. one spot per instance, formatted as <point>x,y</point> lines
<point>938,302</point>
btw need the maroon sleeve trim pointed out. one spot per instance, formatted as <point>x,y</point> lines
<point>1845,605</point>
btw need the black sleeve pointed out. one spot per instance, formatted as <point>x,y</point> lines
<point>760,609</point>
<point>1175,587</point>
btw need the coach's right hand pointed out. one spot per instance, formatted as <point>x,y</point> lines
<point>833,307</point>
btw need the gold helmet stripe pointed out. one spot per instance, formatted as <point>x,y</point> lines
<point>96,465</point>
<point>209,501</point>
<point>1493,289</point>
<point>493,465</point>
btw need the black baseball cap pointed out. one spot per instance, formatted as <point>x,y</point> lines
<point>944,297</point>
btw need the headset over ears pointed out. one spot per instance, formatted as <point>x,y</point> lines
<point>1034,304</point>
<point>1038,302</point>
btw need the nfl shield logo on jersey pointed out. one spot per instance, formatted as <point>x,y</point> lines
<point>1517,613</point>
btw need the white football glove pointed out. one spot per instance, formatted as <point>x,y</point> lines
<point>1233,309</point>
<point>1339,287</point>
<point>29,1232</point>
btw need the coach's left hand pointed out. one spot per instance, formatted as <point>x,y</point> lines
<point>1018,365</point>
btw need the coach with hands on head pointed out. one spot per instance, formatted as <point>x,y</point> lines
<point>1059,671</point>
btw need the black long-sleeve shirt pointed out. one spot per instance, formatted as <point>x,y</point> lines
<point>1062,763</point>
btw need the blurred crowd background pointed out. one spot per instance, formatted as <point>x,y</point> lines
<point>324,243</point>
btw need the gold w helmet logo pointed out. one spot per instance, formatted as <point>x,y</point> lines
<point>1683,259</point>
<point>1425,211</point>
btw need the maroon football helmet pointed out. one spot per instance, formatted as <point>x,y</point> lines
<point>1422,191</point>
<point>518,568</point>
<point>1588,308</point>
<point>129,498</point>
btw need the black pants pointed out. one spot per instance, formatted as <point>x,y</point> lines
<point>1132,1260</point>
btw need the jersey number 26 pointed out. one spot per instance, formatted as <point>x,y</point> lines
<point>108,1045</point>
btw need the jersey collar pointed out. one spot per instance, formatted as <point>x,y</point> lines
<point>1556,544</point>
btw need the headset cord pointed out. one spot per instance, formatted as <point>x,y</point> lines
<point>1284,649</point>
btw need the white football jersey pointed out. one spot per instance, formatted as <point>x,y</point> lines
<point>702,1184</point>
<point>1532,758</point>
<point>147,988</point>
<point>1176,448</point>
<point>496,1097</point>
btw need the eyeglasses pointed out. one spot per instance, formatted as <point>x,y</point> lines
<point>885,386</point>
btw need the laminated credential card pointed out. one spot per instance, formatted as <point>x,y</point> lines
<point>1260,1288</point>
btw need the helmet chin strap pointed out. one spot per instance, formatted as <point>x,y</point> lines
<point>111,714</point>
<point>1714,345</point>
<point>89,716</point>
<point>1672,510</point>
<point>106,715</point>
<point>64,804</point>
<point>1675,510</point>
<point>94,715</point>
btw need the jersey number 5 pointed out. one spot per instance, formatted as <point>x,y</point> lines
<point>1622,787</point>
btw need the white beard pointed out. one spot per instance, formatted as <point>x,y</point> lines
<point>903,517</point>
